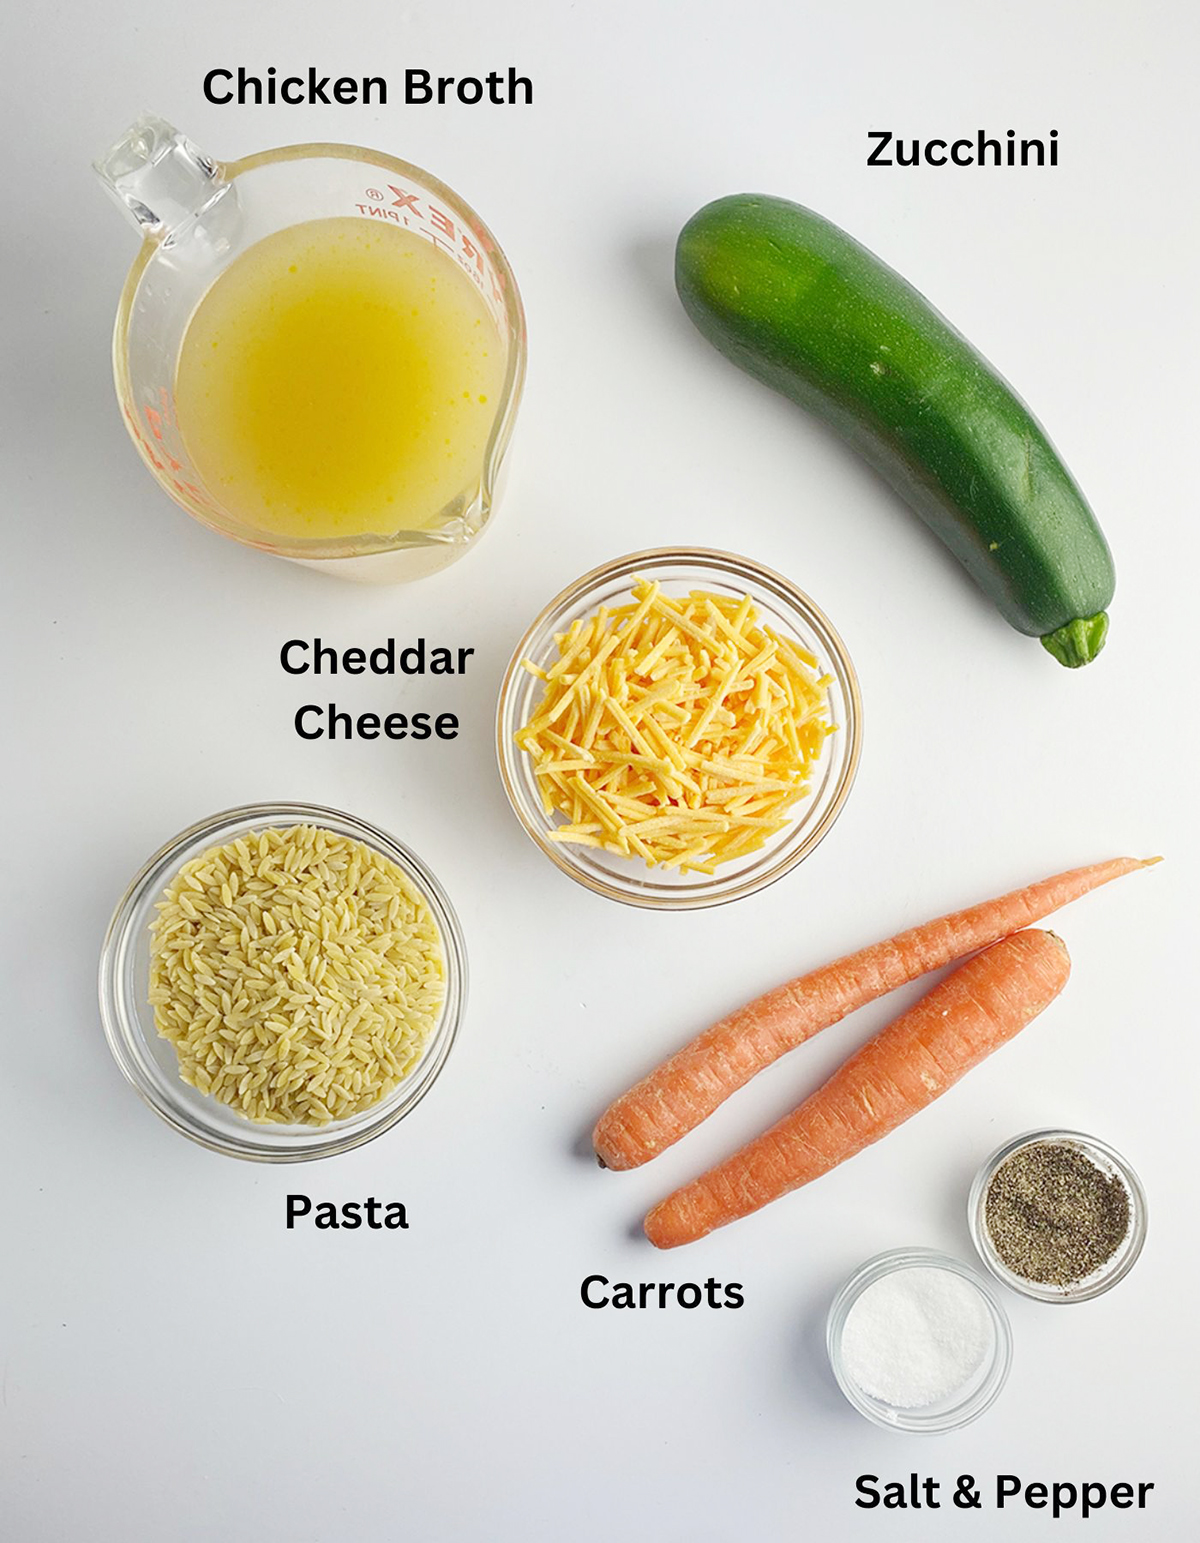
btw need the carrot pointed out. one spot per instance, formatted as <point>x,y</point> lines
<point>905,1067</point>
<point>675,1097</point>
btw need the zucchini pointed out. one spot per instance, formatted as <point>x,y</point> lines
<point>802,306</point>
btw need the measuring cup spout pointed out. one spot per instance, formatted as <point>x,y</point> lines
<point>158,177</point>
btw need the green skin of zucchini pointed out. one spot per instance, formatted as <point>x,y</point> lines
<point>802,306</point>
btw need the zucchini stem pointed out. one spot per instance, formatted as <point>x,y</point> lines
<point>1079,641</point>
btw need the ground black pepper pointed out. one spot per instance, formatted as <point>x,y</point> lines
<point>1053,1216</point>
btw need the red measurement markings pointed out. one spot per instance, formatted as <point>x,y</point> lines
<point>167,465</point>
<point>434,220</point>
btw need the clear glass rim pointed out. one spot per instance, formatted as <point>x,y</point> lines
<point>1100,1281</point>
<point>511,391</point>
<point>912,1421</point>
<point>119,1016</point>
<point>653,561</point>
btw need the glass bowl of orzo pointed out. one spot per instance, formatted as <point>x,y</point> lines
<point>282,982</point>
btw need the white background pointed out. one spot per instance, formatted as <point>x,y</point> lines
<point>173,1363</point>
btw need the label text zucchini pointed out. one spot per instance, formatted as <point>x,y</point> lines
<point>887,149</point>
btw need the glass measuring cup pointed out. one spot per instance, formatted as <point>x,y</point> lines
<point>196,216</point>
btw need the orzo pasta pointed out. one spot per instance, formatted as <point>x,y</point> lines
<point>298,974</point>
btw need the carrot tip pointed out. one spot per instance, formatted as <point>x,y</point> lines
<point>651,1229</point>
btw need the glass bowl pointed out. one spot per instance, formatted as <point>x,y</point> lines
<point>947,1414</point>
<point>1099,1281</point>
<point>783,607</point>
<point>149,1063</point>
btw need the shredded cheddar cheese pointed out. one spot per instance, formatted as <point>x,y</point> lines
<point>675,729</point>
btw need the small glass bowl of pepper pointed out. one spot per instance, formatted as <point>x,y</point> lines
<point>1057,1216</point>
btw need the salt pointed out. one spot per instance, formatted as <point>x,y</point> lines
<point>916,1336</point>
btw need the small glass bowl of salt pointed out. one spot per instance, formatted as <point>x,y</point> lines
<point>918,1341</point>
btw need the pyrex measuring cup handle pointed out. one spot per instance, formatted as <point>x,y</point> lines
<point>158,177</point>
